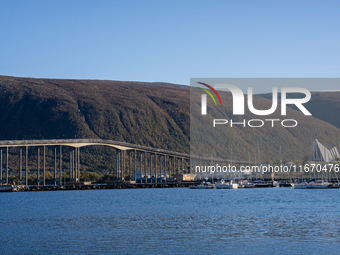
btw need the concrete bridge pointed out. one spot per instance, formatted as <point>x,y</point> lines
<point>169,162</point>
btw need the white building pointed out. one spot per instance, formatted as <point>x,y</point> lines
<point>321,154</point>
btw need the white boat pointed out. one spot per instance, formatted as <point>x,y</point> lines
<point>275,184</point>
<point>318,185</point>
<point>248,185</point>
<point>205,185</point>
<point>303,185</point>
<point>226,185</point>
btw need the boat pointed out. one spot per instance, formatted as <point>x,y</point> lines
<point>248,185</point>
<point>274,184</point>
<point>226,185</point>
<point>318,185</point>
<point>303,185</point>
<point>334,186</point>
<point>261,184</point>
<point>9,188</point>
<point>285,184</point>
<point>204,185</point>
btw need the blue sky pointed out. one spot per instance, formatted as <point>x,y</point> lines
<point>169,41</point>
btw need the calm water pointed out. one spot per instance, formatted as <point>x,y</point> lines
<point>156,221</point>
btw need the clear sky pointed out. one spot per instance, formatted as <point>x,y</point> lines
<point>169,41</point>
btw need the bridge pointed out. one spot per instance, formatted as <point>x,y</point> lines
<point>169,162</point>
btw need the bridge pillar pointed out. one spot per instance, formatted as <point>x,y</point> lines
<point>71,165</point>
<point>74,173</point>
<point>123,165</point>
<point>174,174</point>
<point>169,166</point>
<point>38,166</point>
<point>7,165</point>
<point>44,167</point>
<point>177,167</point>
<point>1,165</point>
<point>20,164</point>
<point>78,164</point>
<point>74,169</point>
<point>26,167</point>
<point>165,168</point>
<point>183,171</point>
<point>55,165</point>
<point>130,165</point>
<point>117,163</point>
<point>156,168</point>
<point>140,166</point>
<point>61,166</point>
<point>135,165</point>
<point>150,167</point>
<point>145,177</point>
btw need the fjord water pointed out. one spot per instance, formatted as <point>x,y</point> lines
<point>177,220</point>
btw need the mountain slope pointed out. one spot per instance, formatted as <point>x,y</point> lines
<point>151,114</point>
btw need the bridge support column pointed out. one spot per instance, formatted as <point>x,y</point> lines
<point>71,165</point>
<point>20,164</point>
<point>160,168</point>
<point>26,167</point>
<point>61,166</point>
<point>150,167</point>
<point>178,165</point>
<point>44,167</point>
<point>7,165</point>
<point>117,163</point>
<point>123,165</point>
<point>129,165</point>
<point>38,166</point>
<point>135,165</point>
<point>78,163</point>
<point>74,173</point>
<point>156,168</point>
<point>175,166</point>
<point>169,166</point>
<point>165,168</point>
<point>55,165</point>
<point>1,165</point>
<point>145,177</point>
<point>174,173</point>
<point>75,164</point>
<point>140,166</point>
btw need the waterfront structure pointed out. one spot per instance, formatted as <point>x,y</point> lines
<point>152,161</point>
<point>321,154</point>
<point>185,177</point>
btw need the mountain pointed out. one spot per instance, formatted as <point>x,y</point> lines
<point>151,114</point>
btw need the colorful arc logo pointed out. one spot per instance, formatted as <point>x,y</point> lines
<point>204,97</point>
<point>208,92</point>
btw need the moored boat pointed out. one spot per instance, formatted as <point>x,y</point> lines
<point>303,185</point>
<point>226,185</point>
<point>318,185</point>
<point>204,185</point>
